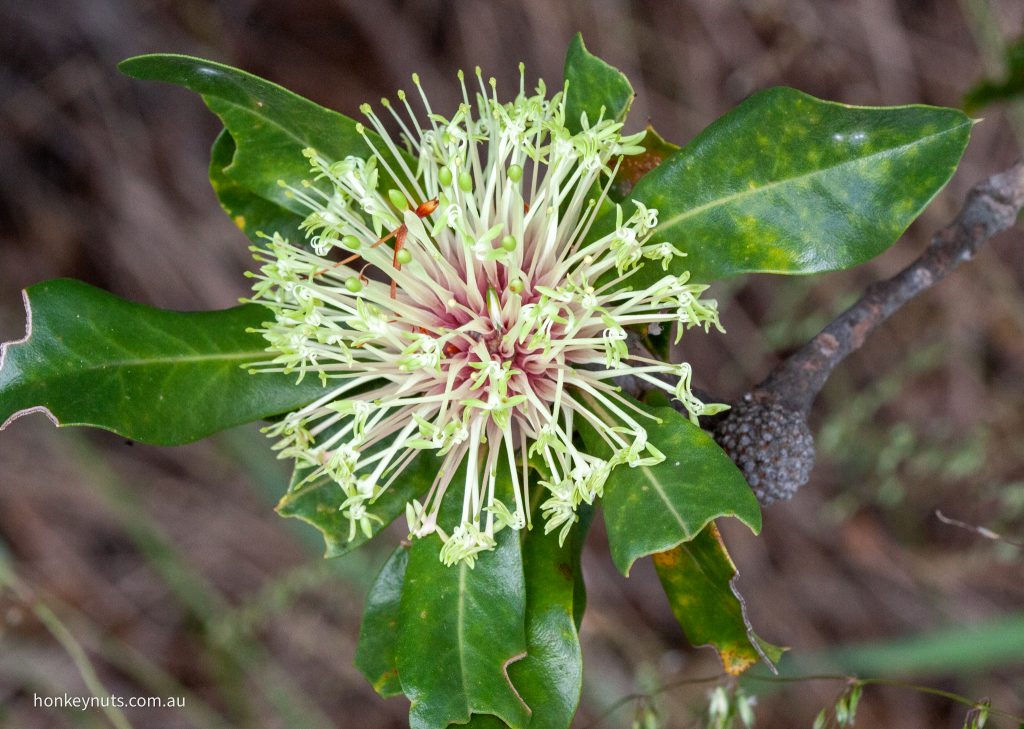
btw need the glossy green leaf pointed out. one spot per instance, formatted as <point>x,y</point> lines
<point>459,631</point>
<point>579,535</point>
<point>156,376</point>
<point>318,503</point>
<point>787,183</point>
<point>269,124</point>
<point>378,633</point>
<point>698,578</point>
<point>596,88</point>
<point>550,677</point>
<point>651,509</point>
<point>250,212</point>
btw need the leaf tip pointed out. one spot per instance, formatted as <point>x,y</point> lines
<point>133,65</point>
<point>753,523</point>
<point>623,563</point>
<point>28,329</point>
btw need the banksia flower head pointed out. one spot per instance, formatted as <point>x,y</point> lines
<point>499,323</point>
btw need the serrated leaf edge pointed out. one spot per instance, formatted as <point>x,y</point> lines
<point>754,639</point>
<point>511,685</point>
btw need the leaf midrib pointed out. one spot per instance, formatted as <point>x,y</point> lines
<point>776,183</point>
<point>664,497</point>
<point>648,473</point>
<point>269,120</point>
<point>338,117</point>
<point>459,628</point>
<point>171,360</point>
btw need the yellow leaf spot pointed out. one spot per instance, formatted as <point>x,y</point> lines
<point>736,662</point>
<point>385,678</point>
<point>667,559</point>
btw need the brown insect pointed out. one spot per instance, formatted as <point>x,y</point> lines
<point>423,210</point>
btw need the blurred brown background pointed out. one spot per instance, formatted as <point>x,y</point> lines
<point>168,567</point>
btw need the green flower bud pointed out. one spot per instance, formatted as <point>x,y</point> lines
<point>397,199</point>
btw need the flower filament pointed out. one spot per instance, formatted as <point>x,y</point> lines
<point>501,322</point>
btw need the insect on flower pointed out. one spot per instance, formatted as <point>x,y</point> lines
<point>423,210</point>
<point>504,324</point>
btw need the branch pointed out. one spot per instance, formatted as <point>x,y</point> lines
<point>766,431</point>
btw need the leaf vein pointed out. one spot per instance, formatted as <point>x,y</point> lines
<point>721,201</point>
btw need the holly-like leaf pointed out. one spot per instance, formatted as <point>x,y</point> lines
<point>651,509</point>
<point>699,580</point>
<point>318,502</point>
<point>250,212</point>
<point>378,633</point>
<point>550,677</point>
<point>269,124</point>
<point>595,88</point>
<point>156,376</point>
<point>787,183</point>
<point>459,630</point>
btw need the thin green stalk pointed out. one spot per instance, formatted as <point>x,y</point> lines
<point>67,641</point>
<point>895,683</point>
<point>201,598</point>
